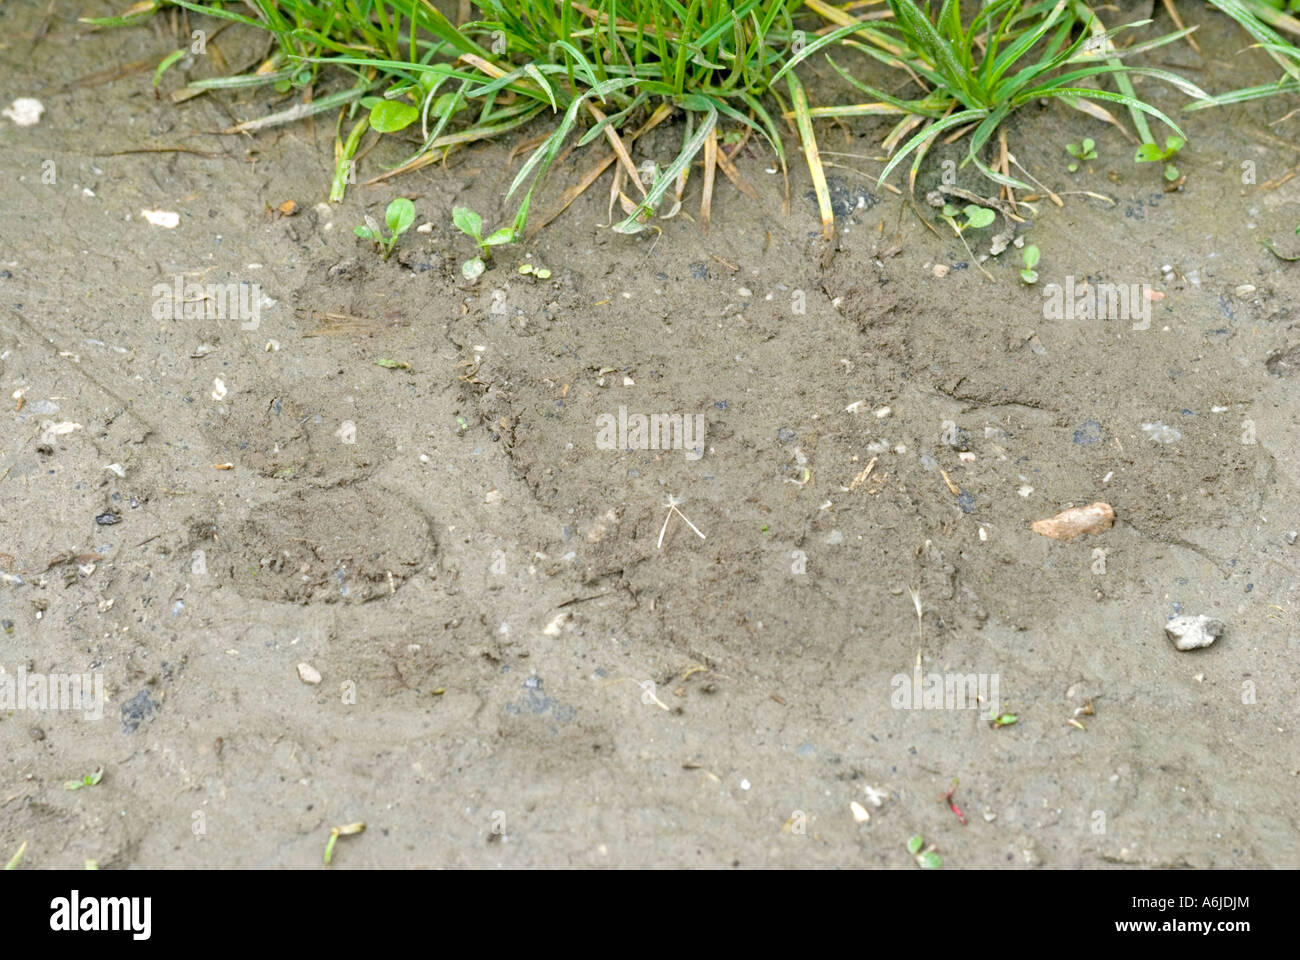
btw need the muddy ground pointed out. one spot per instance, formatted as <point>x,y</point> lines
<point>513,671</point>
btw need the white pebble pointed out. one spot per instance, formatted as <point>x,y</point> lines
<point>1161,432</point>
<point>162,218</point>
<point>308,674</point>
<point>24,112</point>
<point>1191,633</point>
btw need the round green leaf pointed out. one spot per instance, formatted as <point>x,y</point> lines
<point>978,216</point>
<point>389,116</point>
<point>1147,153</point>
<point>445,104</point>
<point>400,215</point>
<point>467,221</point>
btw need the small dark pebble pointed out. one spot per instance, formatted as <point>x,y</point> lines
<point>845,198</point>
<point>36,733</point>
<point>785,435</point>
<point>136,710</point>
<point>1089,432</point>
<point>966,501</point>
<point>108,519</point>
<point>960,441</point>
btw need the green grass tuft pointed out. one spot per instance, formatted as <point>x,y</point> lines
<point>601,69</point>
<point>974,74</point>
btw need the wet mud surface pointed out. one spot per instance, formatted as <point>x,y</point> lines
<point>520,663</point>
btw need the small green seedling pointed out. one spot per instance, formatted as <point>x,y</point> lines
<point>300,79</point>
<point>392,364</point>
<point>17,858</point>
<point>926,859</point>
<point>1268,245</point>
<point>471,224</point>
<point>89,780</point>
<point>399,216</point>
<point>976,216</point>
<point>1030,256</point>
<point>1080,151</point>
<point>344,831</point>
<point>1150,153</point>
<point>1002,720</point>
<point>166,62</point>
<point>541,273</point>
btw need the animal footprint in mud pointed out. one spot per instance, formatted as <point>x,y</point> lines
<point>1071,523</point>
<point>347,544</point>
